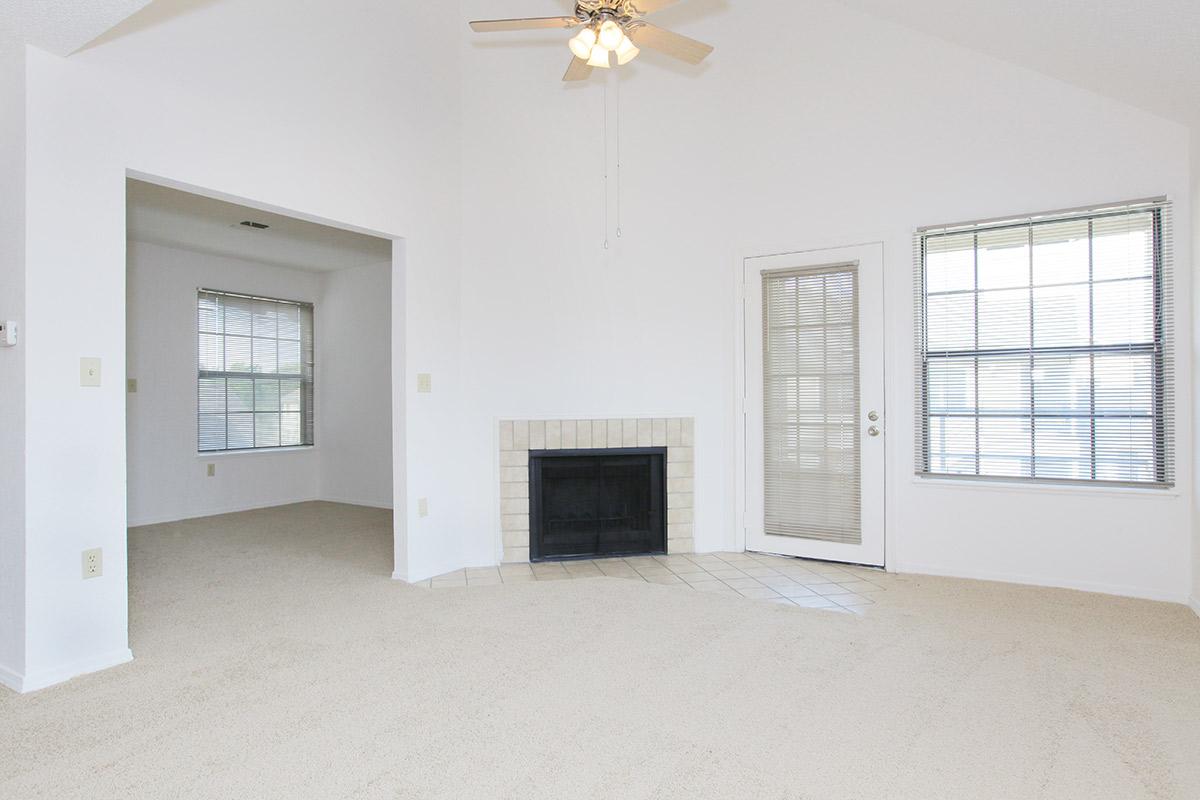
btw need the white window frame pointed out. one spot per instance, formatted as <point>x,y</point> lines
<point>307,378</point>
<point>1161,349</point>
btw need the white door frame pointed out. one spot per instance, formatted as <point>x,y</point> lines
<point>746,476</point>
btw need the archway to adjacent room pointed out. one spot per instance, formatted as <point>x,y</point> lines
<point>260,411</point>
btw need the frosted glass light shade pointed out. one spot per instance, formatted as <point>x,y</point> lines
<point>611,35</point>
<point>583,42</point>
<point>627,51</point>
<point>599,57</point>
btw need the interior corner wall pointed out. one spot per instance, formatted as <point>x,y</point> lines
<point>12,366</point>
<point>354,390</point>
<point>170,98</point>
<point>865,129</point>
<point>167,478</point>
<point>857,131</point>
<point>402,382</point>
<point>1195,348</point>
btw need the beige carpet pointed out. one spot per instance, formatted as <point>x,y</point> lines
<point>275,659</point>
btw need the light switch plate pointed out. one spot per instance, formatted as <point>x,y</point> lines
<point>89,372</point>
<point>424,383</point>
<point>211,470</point>
<point>93,563</point>
<point>131,385</point>
<point>423,507</point>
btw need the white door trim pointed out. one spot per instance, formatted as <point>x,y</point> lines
<point>748,267</point>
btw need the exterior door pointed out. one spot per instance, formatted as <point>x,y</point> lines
<point>814,404</point>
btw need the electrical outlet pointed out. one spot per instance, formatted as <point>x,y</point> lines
<point>89,372</point>
<point>212,470</point>
<point>423,507</point>
<point>93,563</point>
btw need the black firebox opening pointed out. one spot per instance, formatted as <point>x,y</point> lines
<point>597,502</point>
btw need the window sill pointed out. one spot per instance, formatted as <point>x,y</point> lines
<point>261,451</point>
<point>1018,486</point>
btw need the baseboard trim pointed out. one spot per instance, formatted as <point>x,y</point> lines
<point>216,512</point>
<point>10,678</point>
<point>415,579</point>
<point>162,520</point>
<point>361,503</point>
<point>1118,590</point>
<point>65,672</point>
<point>442,569</point>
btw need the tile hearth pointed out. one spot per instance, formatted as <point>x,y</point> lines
<point>519,437</point>
<point>788,581</point>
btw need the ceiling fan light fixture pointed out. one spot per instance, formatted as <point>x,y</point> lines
<point>626,52</point>
<point>583,43</point>
<point>599,57</point>
<point>611,35</point>
<point>603,33</point>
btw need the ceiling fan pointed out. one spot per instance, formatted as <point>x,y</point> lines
<point>611,30</point>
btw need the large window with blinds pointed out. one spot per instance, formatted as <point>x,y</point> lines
<point>255,384</point>
<point>1044,347</point>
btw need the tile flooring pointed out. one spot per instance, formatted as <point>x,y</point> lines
<point>790,581</point>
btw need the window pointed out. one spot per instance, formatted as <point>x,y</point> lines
<point>812,473</point>
<point>255,386</point>
<point>1044,347</point>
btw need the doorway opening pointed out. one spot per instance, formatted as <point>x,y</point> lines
<point>813,451</point>
<point>259,405</point>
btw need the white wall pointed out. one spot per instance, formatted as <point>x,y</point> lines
<point>167,479</point>
<point>354,387</point>
<point>352,459</point>
<point>1195,269</point>
<point>360,125</point>
<point>846,129</point>
<point>12,362</point>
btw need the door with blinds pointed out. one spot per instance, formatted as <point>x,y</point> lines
<point>814,405</point>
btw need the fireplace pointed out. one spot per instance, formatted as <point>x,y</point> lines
<point>519,440</point>
<point>590,503</point>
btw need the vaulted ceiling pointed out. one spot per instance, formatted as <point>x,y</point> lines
<point>62,26</point>
<point>1145,53</point>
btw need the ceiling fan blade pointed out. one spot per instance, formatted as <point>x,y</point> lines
<point>673,44</point>
<point>528,24</point>
<point>579,70</point>
<point>642,7</point>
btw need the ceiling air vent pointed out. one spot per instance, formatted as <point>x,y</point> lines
<point>258,226</point>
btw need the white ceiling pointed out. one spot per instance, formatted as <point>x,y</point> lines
<point>62,26</point>
<point>173,218</point>
<point>1142,52</point>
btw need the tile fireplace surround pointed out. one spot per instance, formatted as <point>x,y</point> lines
<point>518,437</point>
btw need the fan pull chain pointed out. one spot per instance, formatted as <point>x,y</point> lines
<point>618,105</point>
<point>606,165</point>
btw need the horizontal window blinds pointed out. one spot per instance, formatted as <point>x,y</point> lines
<point>810,412</point>
<point>255,372</point>
<point>1045,347</point>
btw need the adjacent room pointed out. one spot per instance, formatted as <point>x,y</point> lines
<point>258,388</point>
<point>229,309</point>
<point>599,399</point>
